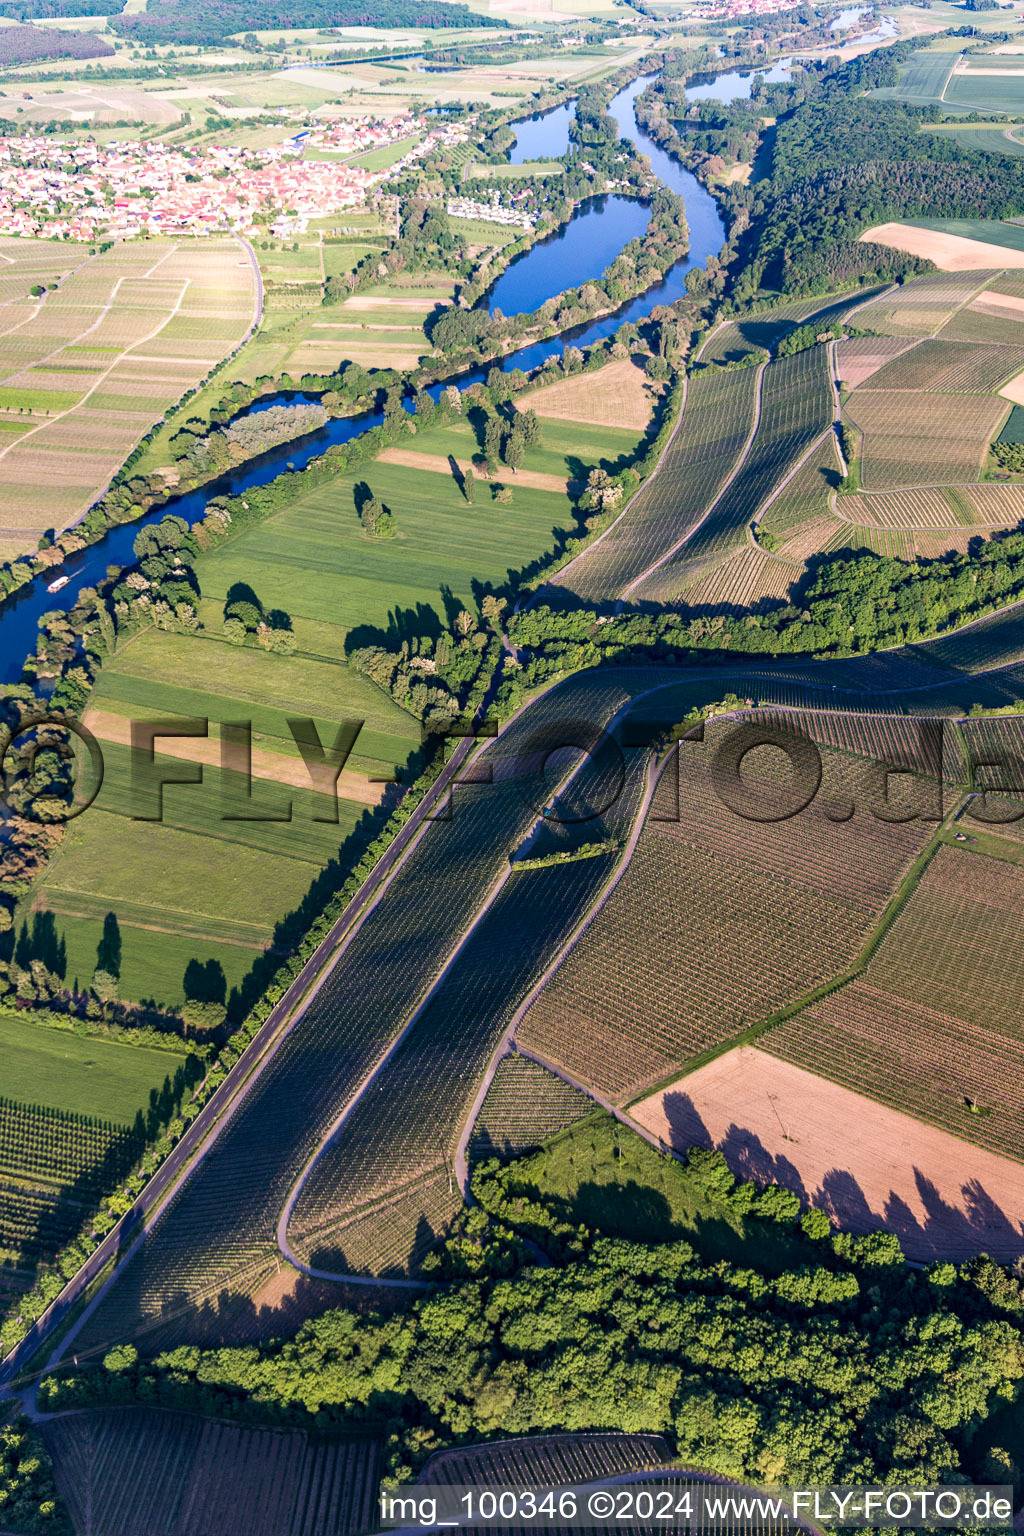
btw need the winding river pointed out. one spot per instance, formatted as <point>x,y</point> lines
<point>543,271</point>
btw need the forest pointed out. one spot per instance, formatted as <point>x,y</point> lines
<point>839,1365</point>
<point>23,45</point>
<point>186,21</point>
<point>841,161</point>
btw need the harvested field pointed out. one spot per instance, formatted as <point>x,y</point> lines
<point>149,1472</point>
<point>618,395</point>
<point>1014,390</point>
<point>918,439</point>
<point>717,923</point>
<point>950,253</point>
<point>868,1166</point>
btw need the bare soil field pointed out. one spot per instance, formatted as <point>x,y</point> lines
<point>617,396</point>
<point>867,1166</point>
<point>950,253</point>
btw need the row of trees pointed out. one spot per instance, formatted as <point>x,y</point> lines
<point>838,1366</point>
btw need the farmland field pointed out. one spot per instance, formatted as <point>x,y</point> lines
<point>867,1165</point>
<point>716,422</point>
<point>218,889</point>
<point>621,1012</point>
<point>149,1472</point>
<point>921,439</point>
<point>797,406</point>
<point>219,1233</point>
<point>87,367</point>
<point>68,1133</point>
<point>525,1104</point>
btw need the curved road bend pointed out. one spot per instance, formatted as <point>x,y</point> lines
<point>489,898</point>
<point>124,1239</point>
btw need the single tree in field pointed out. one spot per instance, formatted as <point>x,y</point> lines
<point>108,951</point>
<point>492,610</point>
<point>370,514</point>
<point>514,452</point>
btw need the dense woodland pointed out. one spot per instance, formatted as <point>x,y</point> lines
<point>23,45</point>
<point>837,1365</point>
<point>190,21</point>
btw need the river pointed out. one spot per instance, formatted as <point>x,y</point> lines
<point>539,274</point>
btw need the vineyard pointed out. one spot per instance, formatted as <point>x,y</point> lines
<point>956,945</point>
<point>716,423</point>
<point>54,1169</point>
<point>429,1083</point>
<point>913,1058</point>
<point>787,905</point>
<point>949,367</point>
<point>745,583</point>
<point>148,1472</point>
<point>913,439</point>
<point>921,307</point>
<point>805,498</point>
<point>860,357</point>
<point>222,1223</point>
<point>546,1460</point>
<point>797,406</point>
<point>931,748</point>
<point>525,1104</point>
<point>934,507</point>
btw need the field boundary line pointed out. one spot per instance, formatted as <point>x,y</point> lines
<point>753,1032</point>
<point>654,773</point>
<point>741,460</point>
<point>504,875</point>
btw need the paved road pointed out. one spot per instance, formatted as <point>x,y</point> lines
<point>195,1145</point>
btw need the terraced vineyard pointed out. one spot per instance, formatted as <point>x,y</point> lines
<point>525,1104</point>
<point>148,1472</point>
<point>716,423</point>
<point>788,904</point>
<point>797,405</point>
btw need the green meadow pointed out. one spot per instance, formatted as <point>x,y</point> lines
<point>212,879</point>
<point>77,1073</point>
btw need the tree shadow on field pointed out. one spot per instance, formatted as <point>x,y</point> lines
<point>956,1225</point>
